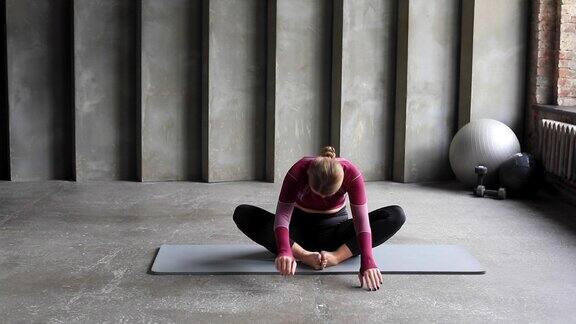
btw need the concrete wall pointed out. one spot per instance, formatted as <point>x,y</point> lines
<point>234,97</point>
<point>364,60</point>
<point>493,61</point>
<point>171,88</point>
<point>4,129</point>
<point>221,90</point>
<point>38,74</point>
<point>105,38</point>
<point>427,89</point>
<point>302,81</point>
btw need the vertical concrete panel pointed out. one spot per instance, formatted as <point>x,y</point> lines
<point>493,62</point>
<point>427,83</point>
<point>38,74</point>
<point>270,90</point>
<point>302,84</point>
<point>4,126</point>
<point>171,89</point>
<point>364,94</point>
<point>105,58</point>
<point>234,73</point>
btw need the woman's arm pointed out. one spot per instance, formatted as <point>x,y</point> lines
<point>361,220</point>
<point>281,228</point>
<point>283,215</point>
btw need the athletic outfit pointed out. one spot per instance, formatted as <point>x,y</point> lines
<point>298,217</point>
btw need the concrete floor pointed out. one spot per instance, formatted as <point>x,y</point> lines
<point>79,252</point>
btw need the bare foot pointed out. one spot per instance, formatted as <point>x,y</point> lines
<point>312,259</point>
<point>328,259</point>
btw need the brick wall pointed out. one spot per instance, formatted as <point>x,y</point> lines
<point>551,88</point>
<point>543,52</point>
<point>567,53</point>
<point>552,62</point>
<point>552,75</point>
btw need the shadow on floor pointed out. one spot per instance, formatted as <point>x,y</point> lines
<point>552,208</point>
<point>545,202</point>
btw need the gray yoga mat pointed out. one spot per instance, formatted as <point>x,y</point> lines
<point>255,259</point>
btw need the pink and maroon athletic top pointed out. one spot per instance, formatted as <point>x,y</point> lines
<point>296,191</point>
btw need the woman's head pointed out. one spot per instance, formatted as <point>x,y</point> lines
<point>325,173</point>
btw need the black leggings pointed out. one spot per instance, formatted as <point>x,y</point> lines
<point>316,231</point>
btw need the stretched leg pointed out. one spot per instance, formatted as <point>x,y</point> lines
<point>258,224</point>
<point>384,223</point>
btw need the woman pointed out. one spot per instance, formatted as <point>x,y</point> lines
<point>311,216</point>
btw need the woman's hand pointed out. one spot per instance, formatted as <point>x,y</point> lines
<point>371,279</point>
<point>286,265</point>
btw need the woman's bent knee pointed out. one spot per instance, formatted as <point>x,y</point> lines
<point>239,214</point>
<point>397,214</point>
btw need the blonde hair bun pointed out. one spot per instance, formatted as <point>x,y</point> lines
<point>325,173</point>
<point>328,151</point>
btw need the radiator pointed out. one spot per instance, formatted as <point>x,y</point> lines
<point>557,148</point>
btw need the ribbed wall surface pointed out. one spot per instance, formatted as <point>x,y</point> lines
<point>222,90</point>
<point>171,106</point>
<point>105,89</point>
<point>39,80</point>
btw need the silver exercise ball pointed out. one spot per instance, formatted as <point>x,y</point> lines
<point>486,142</point>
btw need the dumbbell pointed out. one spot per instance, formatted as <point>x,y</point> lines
<point>481,171</point>
<point>481,191</point>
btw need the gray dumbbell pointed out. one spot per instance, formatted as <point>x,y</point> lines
<point>481,191</point>
<point>481,171</point>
